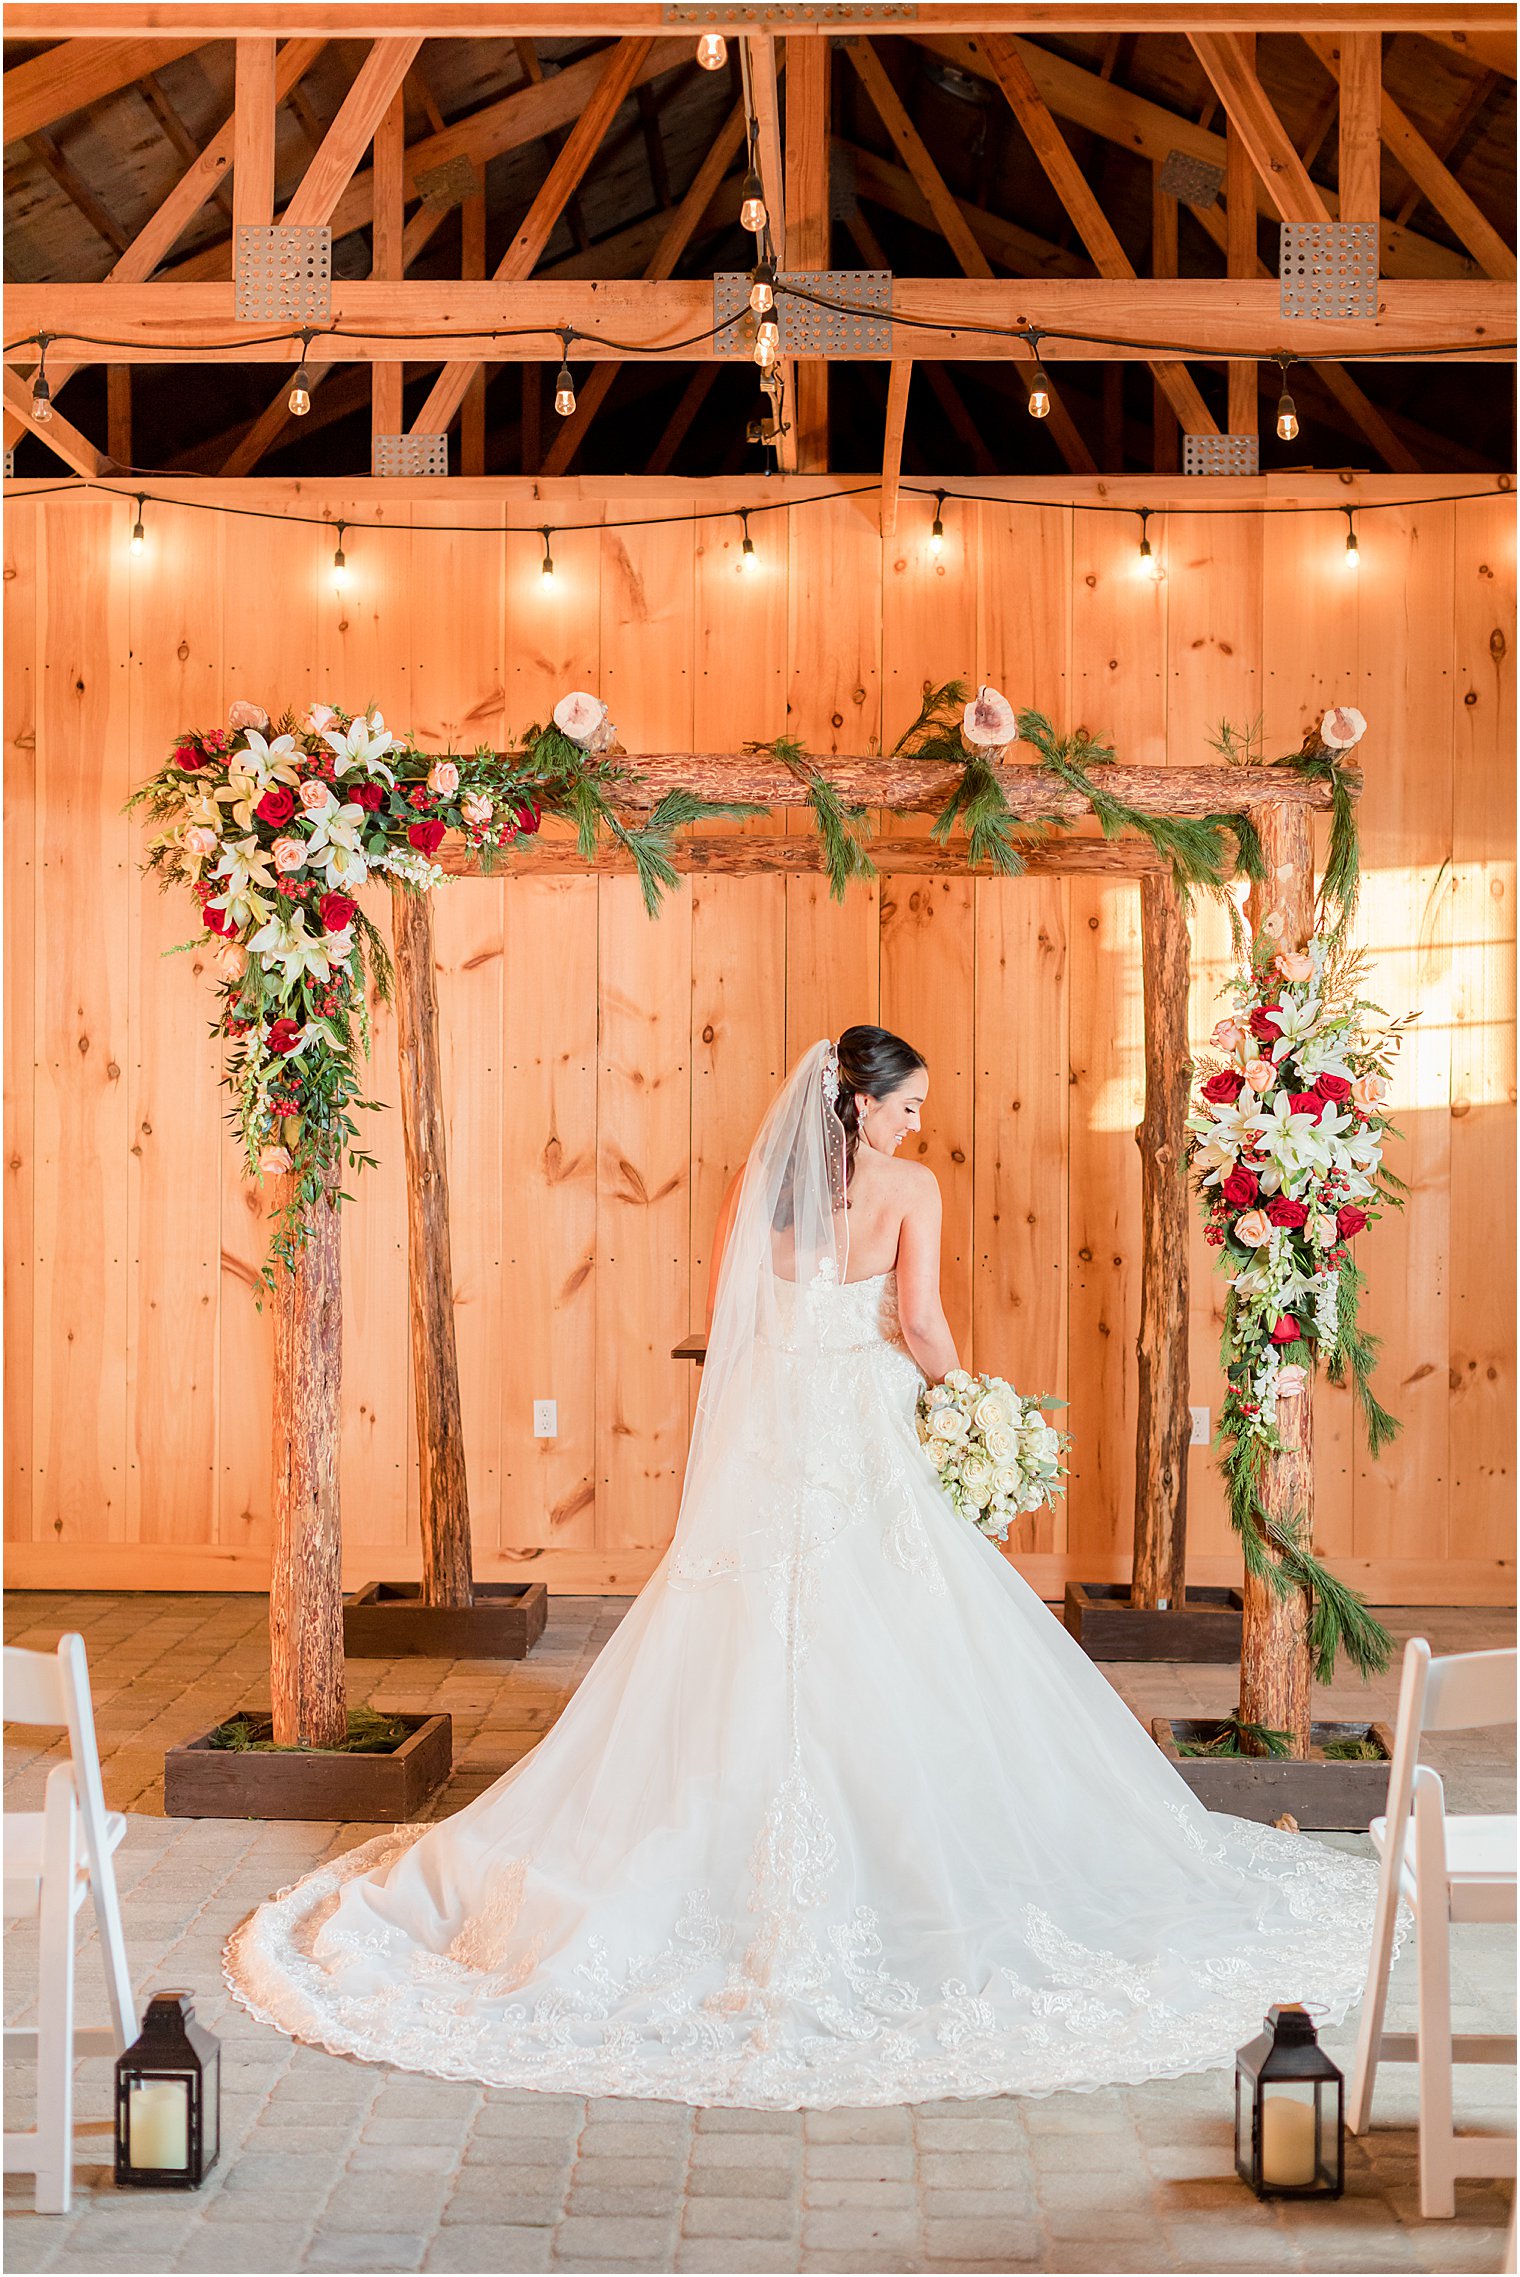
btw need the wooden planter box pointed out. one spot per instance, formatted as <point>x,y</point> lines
<point>202,1781</point>
<point>1323,1795</point>
<point>386,1618</point>
<point>1206,1626</point>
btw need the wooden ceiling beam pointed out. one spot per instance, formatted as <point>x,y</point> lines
<point>60,435</point>
<point>761,69</point>
<point>78,192</point>
<point>353,130</point>
<point>619,71</point>
<point>551,19</point>
<point>679,232</point>
<point>1436,181</point>
<point>899,381</point>
<point>1204,316</point>
<point>1359,174</point>
<point>807,229</point>
<point>1020,253</point>
<point>941,385</point>
<point>1093,227</point>
<point>78,72</point>
<point>1241,260</point>
<point>253,112</point>
<point>150,88</point>
<point>387,254</point>
<point>1271,149</point>
<point>1494,50</point>
<point>1148,130</point>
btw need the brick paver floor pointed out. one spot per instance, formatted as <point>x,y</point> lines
<point>333,2165</point>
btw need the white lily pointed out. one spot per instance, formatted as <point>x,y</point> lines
<point>363,746</point>
<point>1295,1146</point>
<point>285,942</point>
<point>334,847</point>
<point>245,864</point>
<point>267,762</point>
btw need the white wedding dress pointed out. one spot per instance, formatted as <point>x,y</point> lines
<point>841,1814</point>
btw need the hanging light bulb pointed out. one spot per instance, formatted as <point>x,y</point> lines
<point>762,287</point>
<point>1287,411</point>
<point>937,527</point>
<point>1039,385</point>
<point>768,334</point>
<point>42,394</point>
<point>712,51</point>
<point>564,385</point>
<point>299,398</point>
<point>340,560</point>
<point>1148,565</point>
<point>546,566</point>
<point>749,560</point>
<point>139,540</point>
<point>752,213</point>
<point>1353,550</point>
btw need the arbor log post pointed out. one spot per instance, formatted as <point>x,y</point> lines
<point>1163,1426</point>
<point>306,1583</point>
<point>1274,1655</point>
<point>444,1494</point>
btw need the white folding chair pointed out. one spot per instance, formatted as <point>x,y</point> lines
<point>1447,1869</point>
<point>53,1859</point>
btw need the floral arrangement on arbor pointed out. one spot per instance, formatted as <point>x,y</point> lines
<point>1286,1143</point>
<point>275,827</point>
<point>993,1452</point>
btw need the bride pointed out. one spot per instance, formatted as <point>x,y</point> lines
<point>840,1815</point>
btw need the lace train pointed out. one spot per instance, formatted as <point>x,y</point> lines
<point>844,1818</point>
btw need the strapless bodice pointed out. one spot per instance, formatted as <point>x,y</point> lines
<point>829,1315</point>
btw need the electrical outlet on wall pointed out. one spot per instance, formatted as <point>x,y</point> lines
<point>1201,1433</point>
<point>546,1419</point>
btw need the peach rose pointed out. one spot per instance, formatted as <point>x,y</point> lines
<point>319,717</point>
<point>476,809</point>
<point>233,960</point>
<point>274,1160</point>
<point>315,795</point>
<point>1254,1229</point>
<point>443,778</point>
<point>289,854</point>
<point>1261,1075</point>
<point>1291,1381</point>
<point>248,715</point>
<point>201,839</point>
<point>1294,967</point>
<point>1228,1036</point>
<point>1370,1092</point>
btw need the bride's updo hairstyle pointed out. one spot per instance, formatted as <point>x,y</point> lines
<point>875,1062</point>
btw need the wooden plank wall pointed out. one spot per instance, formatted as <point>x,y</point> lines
<point>604,1074</point>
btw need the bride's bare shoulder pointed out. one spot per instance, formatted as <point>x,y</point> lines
<point>916,1184</point>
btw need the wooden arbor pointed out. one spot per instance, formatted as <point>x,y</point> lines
<point>307,1602</point>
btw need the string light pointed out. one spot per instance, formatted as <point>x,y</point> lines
<point>767,342</point>
<point>1039,385</point>
<point>138,542</point>
<point>712,51</point>
<point>752,213</point>
<point>340,560</point>
<point>749,560</point>
<point>299,398</point>
<point>42,394</point>
<point>1149,566</point>
<point>1353,550</point>
<point>564,385</point>
<point>546,566</point>
<point>937,528</point>
<point>762,287</point>
<point>1287,409</point>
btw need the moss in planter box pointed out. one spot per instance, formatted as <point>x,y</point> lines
<point>369,1733</point>
<point>1365,1750</point>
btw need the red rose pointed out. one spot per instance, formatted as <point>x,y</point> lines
<point>1239,1189</point>
<point>336,910</point>
<point>1349,1220</point>
<point>529,818</point>
<point>1306,1103</point>
<point>1287,1330</point>
<point>1335,1088</point>
<point>1225,1087</point>
<point>427,837</point>
<point>189,756</point>
<point>1263,1023</point>
<point>276,806</point>
<point>283,1035</point>
<point>220,921</point>
<point>1283,1212</point>
<point>369,795</point>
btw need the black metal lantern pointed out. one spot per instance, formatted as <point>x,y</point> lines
<point>1290,2111</point>
<point>168,2099</point>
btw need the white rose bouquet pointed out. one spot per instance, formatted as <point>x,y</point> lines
<point>996,1455</point>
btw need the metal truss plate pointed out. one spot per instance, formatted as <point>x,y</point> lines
<point>861,326</point>
<point>823,13</point>
<point>1328,269</point>
<point>409,454</point>
<point>10,463</point>
<point>1221,454</point>
<point>283,271</point>
<point>449,184</point>
<point>1192,180</point>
